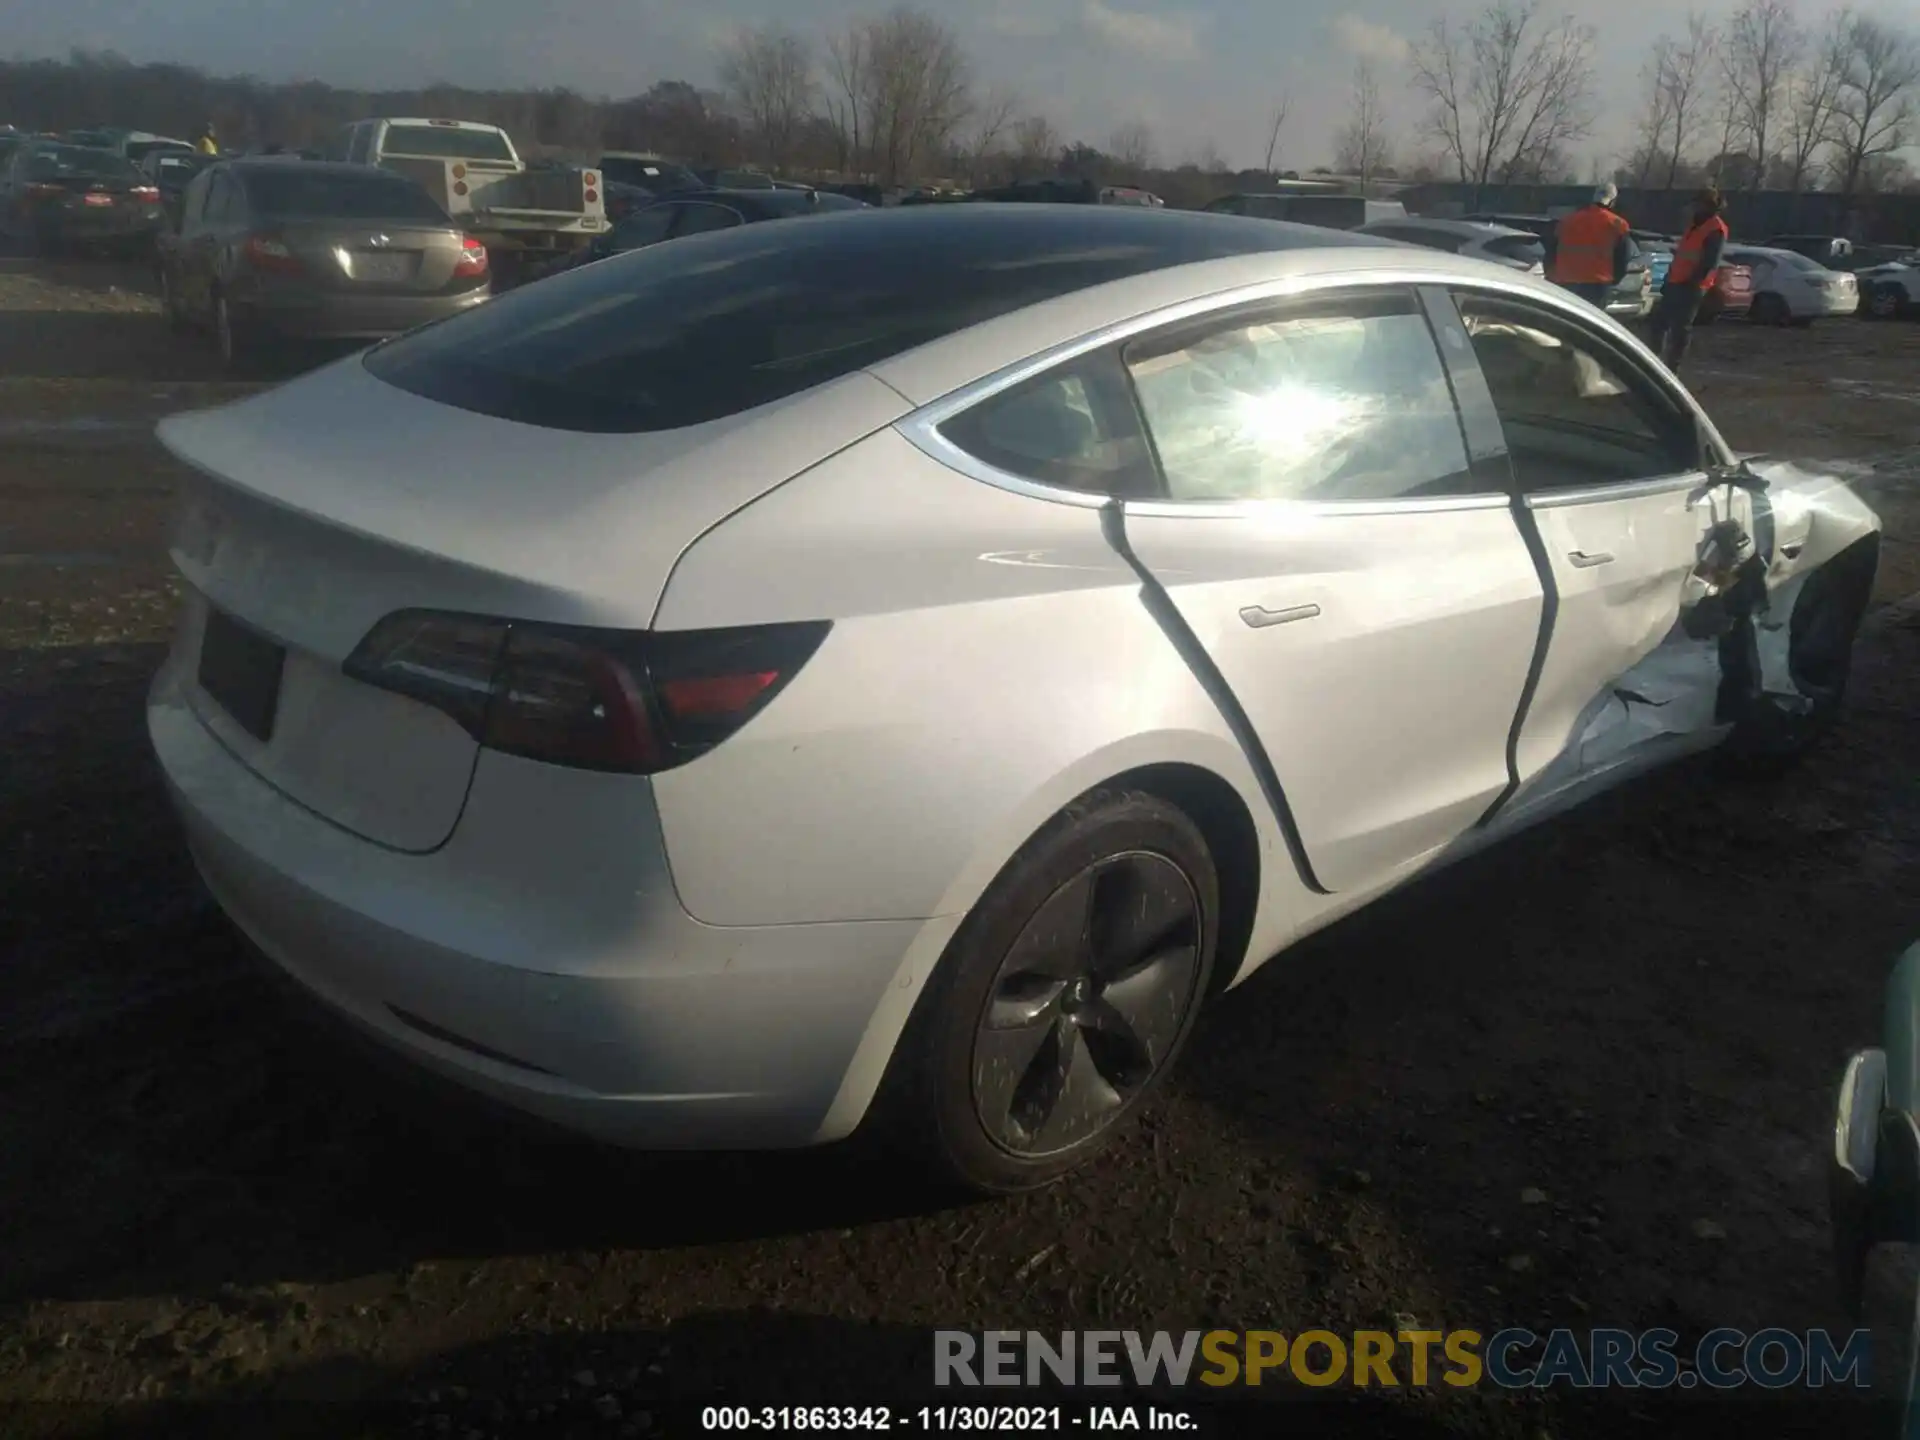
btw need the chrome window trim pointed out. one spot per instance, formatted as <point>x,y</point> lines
<point>921,427</point>
<point>1623,490</point>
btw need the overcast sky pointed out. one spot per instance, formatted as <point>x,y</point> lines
<point>1194,71</point>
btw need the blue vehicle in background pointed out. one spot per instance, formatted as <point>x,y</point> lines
<point>1658,249</point>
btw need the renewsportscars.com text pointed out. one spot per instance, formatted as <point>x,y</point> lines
<point>1510,1359</point>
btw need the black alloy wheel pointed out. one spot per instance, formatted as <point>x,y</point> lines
<point>1088,1005</point>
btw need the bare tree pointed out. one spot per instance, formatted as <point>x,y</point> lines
<point>1874,110</point>
<point>1362,149</point>
<point>1763,49</point>
<point>1131,147</point>
<point>1036,144</point>
<point>847,71</point>
<point>1508,91</point>
<point>1811,97</point>
<point>917,91</point>
<point>989,122</point>
<point>768,74</point>
<point>1685,77</point>
<point>1656,112</point>
<point>1273,134</point>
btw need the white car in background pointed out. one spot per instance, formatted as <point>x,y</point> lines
<point>1791,289</point>
<point>1516,249</point>
<point>890,670</point>
<point>1890,290</point>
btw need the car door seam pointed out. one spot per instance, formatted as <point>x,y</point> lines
<point>1159,605</point>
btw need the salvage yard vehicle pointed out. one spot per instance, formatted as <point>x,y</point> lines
<point>1790,289</point>
<point>943,646</point>
<point>1500,244</point>
<point>523,215</point>
<point>1729,297</point>
<point>1890,290</point>
<point>57,196</point>
<point>271,248</point>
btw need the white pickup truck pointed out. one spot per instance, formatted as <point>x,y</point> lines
<point>519,214</point>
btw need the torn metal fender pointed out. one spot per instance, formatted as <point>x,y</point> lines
<point>1816,515</point>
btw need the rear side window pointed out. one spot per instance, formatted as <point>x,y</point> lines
<point>331,195</point>
<point>1074,427</point>
<point>702,328</point>
<point>1338,401</point>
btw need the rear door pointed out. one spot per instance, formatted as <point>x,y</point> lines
<point>1351,572</point>
<point>1607,460</point>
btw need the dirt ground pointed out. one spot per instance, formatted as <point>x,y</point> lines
<point>1583,1080</point>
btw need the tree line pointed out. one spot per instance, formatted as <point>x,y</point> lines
<point>1759,101</point>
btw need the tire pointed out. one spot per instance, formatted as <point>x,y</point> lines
<point>232,339</point>
<point>1116,878</point>
<point>170,303</point>
<point>1884,302</point>
<point>1821,633</point>
<point>1768,309</point>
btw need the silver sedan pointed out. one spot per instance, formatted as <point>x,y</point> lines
<point>890,670</point>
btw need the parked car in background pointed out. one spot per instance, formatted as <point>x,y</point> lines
<point>1516,249</point>
<point>59,196</point>
<point>1129,195</point>
<point>1658,249</point>
<point>1830,251</point>
<point>170,172</point>
<point>723,178</point>
<point>706,699</point>
<point>1730,297</point>
<point>858,190</point>
<point>139,145</point>
<point>1333,212</point>
<point>699,211</point>
<point>641,170</point>
<point>1790,289</point>
<point>525,216</point>
<point>1890,290</point>
<point>272,248</point>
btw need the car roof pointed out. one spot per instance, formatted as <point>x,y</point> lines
<point>437,124</point>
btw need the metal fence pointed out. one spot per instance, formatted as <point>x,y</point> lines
<point>1752,215</point>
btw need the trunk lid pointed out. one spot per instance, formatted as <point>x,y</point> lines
<point>319,508</point>
<point>376,257</point>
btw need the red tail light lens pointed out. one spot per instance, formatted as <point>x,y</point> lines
<point>148,193</point>
<point>266,252</point>
<point>636,702</point>
<point>592,195</point>
<point>473,257</point>
<point>459,187</point>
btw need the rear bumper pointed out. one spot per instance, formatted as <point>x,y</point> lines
<point>540,957</point>
<point>322,315</point>
<point>117,223</point>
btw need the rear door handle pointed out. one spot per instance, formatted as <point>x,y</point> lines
<point>1583,561</point>
<point>1259,617</point>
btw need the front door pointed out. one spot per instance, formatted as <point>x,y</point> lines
<point>1609,466</point>
<point>1366,598</point>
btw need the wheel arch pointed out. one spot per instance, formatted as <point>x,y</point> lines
<point>1228,822</point>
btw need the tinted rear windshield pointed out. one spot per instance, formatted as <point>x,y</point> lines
<point>322,195</point>
<point>445,142</point>
<point>138,150</point>
<point>711,325</point>
<point>57,161</point>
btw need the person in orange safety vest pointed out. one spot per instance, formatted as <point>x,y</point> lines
<point>1696,259</point>
<point>1590,248</point>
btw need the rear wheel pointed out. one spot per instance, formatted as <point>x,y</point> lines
<point>1064,999</point>
<point>1768,309</point>
<point>1885,302</point>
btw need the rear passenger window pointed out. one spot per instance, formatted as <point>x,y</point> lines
<point>1074,427</point>
<point>1576,412</point>
<point>697,219</point>
<point>1344,401</point>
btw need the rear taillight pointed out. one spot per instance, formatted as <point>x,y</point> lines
<point>473,257</point>
<point>148,193</point>
<point>459,172</point>
<point>459,187</point>
<point>630,701</point>
<point>592,195</point>
<point>264,252</point>
<point>590,179</point>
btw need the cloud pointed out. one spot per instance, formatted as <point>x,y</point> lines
<point>1172,36</point>
<point>1365,40</point>
<point>1024,20</point>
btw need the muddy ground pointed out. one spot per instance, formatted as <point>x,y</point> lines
<point>1584,1080</point>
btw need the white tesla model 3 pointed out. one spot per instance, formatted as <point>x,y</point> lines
<point>894,666</point>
